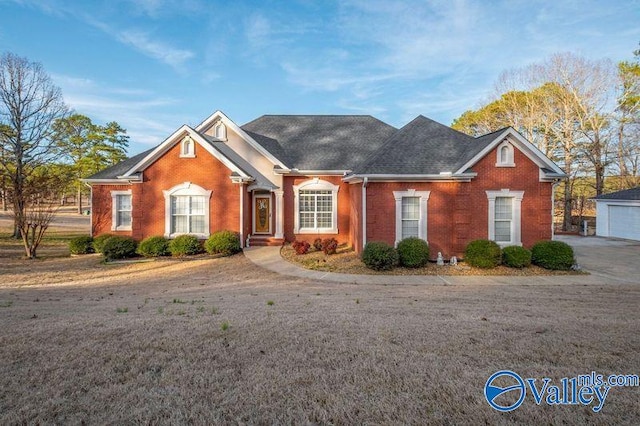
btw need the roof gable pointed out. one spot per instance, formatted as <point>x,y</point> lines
<point>421,147</point>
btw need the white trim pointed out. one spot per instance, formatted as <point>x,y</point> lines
<point>317,172</point>
<point>516,216</point>
<point>465,177</point>
<point>509,161</point>
<point>219,115</point>
<point>176,137</point>
<point>114,211</point>
<point>241,229</point>
<point>422,221</point>
<point>279,213</point>
<point>186,188</point>
<point>253,207</point>
<point>319,185</point>
<point>526,147</point>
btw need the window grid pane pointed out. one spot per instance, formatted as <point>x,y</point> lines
<point>503,231</point>
<point>503,208</point>
<point>410,228</point>
<point>188,214</point>
<point>316,209</point>
<point>411,208</point>
<point>503,217</point>
<point>123,210</point>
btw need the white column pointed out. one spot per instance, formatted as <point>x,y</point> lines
<point>241,215</point>
<point>279,213</point>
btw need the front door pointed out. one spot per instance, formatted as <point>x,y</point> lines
<point>262,214</point>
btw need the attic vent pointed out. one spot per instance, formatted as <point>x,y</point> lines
<point>187,148</point>
<point>220,131</point>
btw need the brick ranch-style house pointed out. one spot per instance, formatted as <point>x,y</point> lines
<point>285,177</point>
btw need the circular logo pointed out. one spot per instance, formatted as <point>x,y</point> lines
<point>491,392</point>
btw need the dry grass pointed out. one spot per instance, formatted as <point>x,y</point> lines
<point>138,345</point>
<point>346,261</point>
<point>221,341</point>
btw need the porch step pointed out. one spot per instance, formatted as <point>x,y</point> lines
<point>257,240</point>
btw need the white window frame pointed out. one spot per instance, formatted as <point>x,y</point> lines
<point>187,147</point>
<point>315,184</point>
<point>115,226</point>
<point>187,189</point>
<point>422,221</point>
<point>516,216</point>
<point>509,161</point>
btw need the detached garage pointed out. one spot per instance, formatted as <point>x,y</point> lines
<point>618,214</point>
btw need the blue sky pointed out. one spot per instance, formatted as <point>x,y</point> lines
<point>153,65</point>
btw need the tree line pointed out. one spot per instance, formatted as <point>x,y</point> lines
<point>584,114</point>
<point>45,148</point>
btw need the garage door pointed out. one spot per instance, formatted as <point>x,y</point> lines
<point>624,222</point>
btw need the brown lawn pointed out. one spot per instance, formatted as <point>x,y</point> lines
<point>82,342</point>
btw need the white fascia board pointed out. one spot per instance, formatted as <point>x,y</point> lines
<point>526,147</point>
<point>297,172</point>
<point>124,181</point>
<point>219,115</point>
<point>174,139</point>
<point>464,177</point>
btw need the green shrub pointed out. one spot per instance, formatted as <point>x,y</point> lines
<point>552,255</point>
<point>118,247</point>
<point>483,254</point>
<point>154,247</point>
<point>317,244</point>
<point>98,242</point>
<point>225,243</point>
<point>329,246</point>
<point>81,245</point>
<point>379,256</point>
<point>516,257</point>
<point>301,247</point>
<point>185,245</point>
<point>413,252</point>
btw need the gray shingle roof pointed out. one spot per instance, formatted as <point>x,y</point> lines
<point>626,194</point>
<point>424,146</point>
<point>320,142</point>
<point>121,168</point>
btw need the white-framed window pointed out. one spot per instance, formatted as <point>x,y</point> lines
<point>187,148</point>
<point>187,210</point>
<point>504,155</point>
<point>505,209</point>
<point>316,207</point>
<point>121,208</point>
<point>411,214</point>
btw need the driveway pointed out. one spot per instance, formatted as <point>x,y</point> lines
<point>610,258</point>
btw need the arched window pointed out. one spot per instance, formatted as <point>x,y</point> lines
<point>220,131</point>
<point>316,207</point>
<point>505,155</point>
<point>187,149</point>
<point>186,210</point>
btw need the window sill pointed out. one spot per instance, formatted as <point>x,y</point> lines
<point>505,165</point>
<point>187,156</point>
<point>316,231</point>
<point>198,236</point>
<point>121,228</point>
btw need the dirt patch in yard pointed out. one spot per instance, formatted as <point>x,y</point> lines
<point>346,261</point>
<point>144,343</point>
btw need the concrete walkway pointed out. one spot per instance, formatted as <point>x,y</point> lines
<point>594,254</point>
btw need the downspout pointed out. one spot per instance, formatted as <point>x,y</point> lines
<point>364,211</point>
<point>553,206</point>
<point>90,211</point>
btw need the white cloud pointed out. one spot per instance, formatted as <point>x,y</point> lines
<point>172,56</point>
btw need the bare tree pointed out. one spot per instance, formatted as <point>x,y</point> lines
<point>29,104</point>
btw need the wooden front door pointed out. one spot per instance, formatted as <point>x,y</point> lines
<point>262,214</point>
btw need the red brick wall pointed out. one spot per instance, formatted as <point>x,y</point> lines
<point>457,212</point>
<point>148,216</point>
<point>343,235</point>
